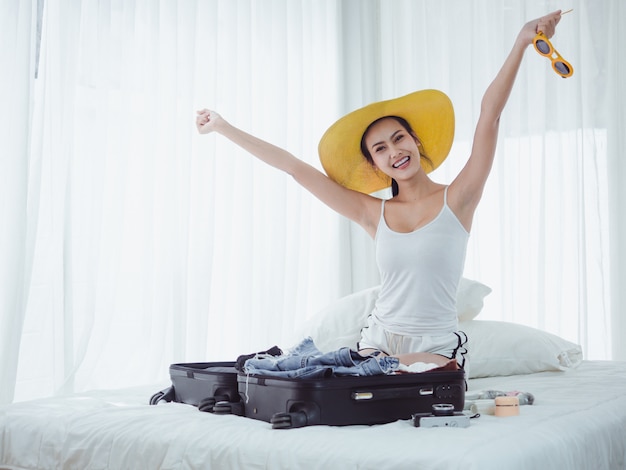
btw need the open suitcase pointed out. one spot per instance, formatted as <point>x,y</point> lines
<point>202,384</point>
<point>293,403</point>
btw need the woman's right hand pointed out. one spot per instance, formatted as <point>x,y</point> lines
<point>546,24</point>
<point>207,120</point>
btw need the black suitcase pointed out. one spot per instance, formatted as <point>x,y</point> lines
<point>202,384</point>
<point>293,403</point>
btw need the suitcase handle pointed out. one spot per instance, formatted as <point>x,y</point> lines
<point>441,391</point>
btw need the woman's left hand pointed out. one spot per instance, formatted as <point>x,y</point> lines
<point>545,24</point>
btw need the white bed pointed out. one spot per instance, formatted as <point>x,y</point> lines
<point>578,420</point>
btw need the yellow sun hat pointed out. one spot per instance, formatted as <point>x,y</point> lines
<point>430,114</point>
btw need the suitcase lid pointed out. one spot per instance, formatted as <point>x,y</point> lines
<point>199,369</point>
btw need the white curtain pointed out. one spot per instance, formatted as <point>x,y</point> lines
<point>154,244</point>
<point>17,59</point>
<point>132,242</point>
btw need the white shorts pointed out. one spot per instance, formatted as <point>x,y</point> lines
<point>451,345</point>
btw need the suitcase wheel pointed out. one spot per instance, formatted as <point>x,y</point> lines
<point>297,419</point>
<point>207,404</point>
<point>154,399</point>
<point>228,408</point>
<point>164,395</point>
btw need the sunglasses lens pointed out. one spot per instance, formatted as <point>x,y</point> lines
<point>542,47</point>
<point>562,68</point>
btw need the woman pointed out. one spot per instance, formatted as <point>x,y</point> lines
<point>421,232</point>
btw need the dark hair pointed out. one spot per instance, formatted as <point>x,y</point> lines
<point>368,156</point>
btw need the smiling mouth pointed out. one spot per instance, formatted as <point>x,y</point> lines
<point>401,162</point>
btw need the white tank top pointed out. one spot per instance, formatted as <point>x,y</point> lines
<point>420,273</point>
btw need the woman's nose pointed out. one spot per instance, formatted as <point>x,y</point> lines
<point>393,150</point>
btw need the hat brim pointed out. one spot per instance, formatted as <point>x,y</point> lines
<point>430,114</point>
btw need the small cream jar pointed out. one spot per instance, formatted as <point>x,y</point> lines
<point>507,406</point>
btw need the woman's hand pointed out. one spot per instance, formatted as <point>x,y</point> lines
<point>207,121</point>
<point>545,24</point>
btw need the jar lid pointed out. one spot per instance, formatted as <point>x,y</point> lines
<point>507,401</point>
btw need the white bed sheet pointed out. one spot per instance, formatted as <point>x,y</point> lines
<point>578,421</point>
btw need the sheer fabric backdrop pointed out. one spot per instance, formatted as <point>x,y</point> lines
<point>149,244</point>
<point>17,58</point>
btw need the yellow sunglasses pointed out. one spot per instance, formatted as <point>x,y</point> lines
<point>546,49</point>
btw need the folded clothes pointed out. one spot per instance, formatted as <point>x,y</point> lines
<point>305,360</point>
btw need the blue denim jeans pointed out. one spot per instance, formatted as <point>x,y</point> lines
<point>306,361</point>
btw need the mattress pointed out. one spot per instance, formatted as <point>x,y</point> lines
<point>578,421</point>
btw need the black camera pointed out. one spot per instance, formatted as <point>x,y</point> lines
<point>442,416</point>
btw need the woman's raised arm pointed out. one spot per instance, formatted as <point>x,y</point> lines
<point>467,188</point>
<point>360,208</point>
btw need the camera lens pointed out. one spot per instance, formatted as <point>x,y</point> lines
<point>443,409</point>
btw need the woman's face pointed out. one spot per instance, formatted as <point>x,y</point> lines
<point>393,149</point>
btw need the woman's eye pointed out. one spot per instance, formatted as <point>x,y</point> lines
<point>379,149</point>
<point>399,138</point>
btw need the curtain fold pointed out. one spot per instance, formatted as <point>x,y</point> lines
<point>133,242</point>
<point>612,105</point>
<point>17,69</point>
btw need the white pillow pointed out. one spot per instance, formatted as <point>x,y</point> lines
<point>502,348</point>
<point>469,298</point>
<point>340,323</point>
